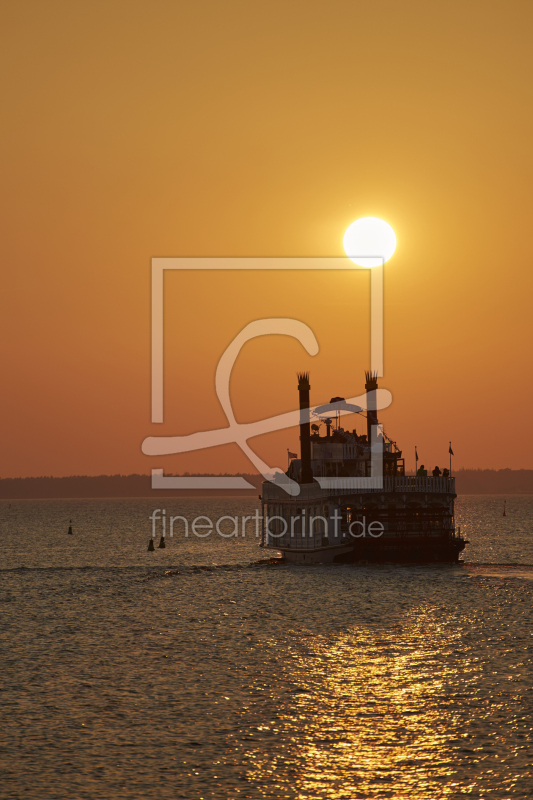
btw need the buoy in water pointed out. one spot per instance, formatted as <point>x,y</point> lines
<point>70,529</point>
<point>162,542</point>
<point>150,545</point>
<point>504,511</point>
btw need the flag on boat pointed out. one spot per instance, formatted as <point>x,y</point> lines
<point>292,455</point>
<point>450,451</point>
<point>416,454</point>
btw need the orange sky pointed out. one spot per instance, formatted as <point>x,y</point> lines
<point>135,129</point>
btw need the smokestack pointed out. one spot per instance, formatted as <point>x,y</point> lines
<point>306,474</point>
<point>371,402</point>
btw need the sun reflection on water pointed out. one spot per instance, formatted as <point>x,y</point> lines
<point>370,716</point>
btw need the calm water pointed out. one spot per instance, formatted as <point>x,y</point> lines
<point>192,672</point>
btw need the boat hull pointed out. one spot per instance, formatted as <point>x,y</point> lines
<point>419,550</point>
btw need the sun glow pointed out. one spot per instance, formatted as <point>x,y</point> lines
<point>369,242</point>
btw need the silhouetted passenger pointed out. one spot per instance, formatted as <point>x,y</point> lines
<point>436,472</point>
<point>445,473</point>
<point>421,472</point>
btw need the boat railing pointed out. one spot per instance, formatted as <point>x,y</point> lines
<point>340,486</point>
<point>427,484</point>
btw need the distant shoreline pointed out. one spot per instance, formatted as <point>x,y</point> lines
<point>468,481</point>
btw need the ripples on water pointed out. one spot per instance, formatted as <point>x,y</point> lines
<point>191,672</point>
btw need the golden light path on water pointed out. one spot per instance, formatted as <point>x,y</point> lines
<point>371,717</point>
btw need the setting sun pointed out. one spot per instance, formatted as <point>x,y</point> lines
<point>369,242</point>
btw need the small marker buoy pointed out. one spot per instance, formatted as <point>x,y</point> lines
<point>162,542</point>
<point>150,545</point>
<point>504,511</point>
<point>70,529</point>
